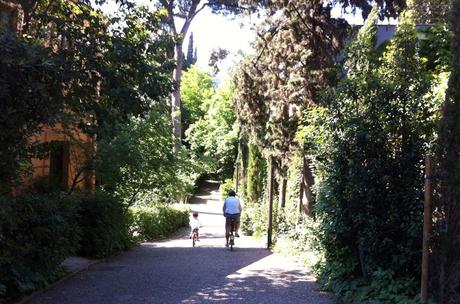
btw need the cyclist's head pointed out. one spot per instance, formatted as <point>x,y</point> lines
<point>232,193</point>
<point>195,214</point>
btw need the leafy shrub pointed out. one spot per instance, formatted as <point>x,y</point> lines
<point>382,286</point>
<point>153,222</point>
<point>225,187</point>
<point>374,129</point>
<point>254,220</point>
<point>299,240</point>
<point>36,233</point>
<point>105,225</point>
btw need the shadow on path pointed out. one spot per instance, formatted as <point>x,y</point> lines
<point>171,271</point>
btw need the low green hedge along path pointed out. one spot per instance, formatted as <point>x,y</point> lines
<point>172,271</point>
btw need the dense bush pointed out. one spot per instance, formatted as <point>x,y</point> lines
<point>105,225</point>
<point>36,234</point>
<point>382,286</point>
<point>376,127</point>
<point>225,187</point>
<point>254,220</point>
<point>154,222</point>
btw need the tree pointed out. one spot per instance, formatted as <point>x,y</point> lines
<point>255,175</point>
<point>430,11</point>
<point>295,61</point>
<point>447,246</point>
<point>191,54</point>
<point>379,122</point>
<point>186,11</point>
<point>71,68</point>
<point>138,160</point>
<point>31,94</point>
<point>197,89</point>
<point>213,138</point>
<point>120,65</point>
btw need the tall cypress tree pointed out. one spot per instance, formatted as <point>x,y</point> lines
<point>191,54</point>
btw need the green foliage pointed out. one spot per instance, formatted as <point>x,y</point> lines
<point>298,238</point>
<point>153,222</point>
<point>37,232</point>
<point>139,160</point>
<point>382,286</point>
<point>436,47</point>
<point>191,57</point>
<point>31,95</point>
<point>196,89</point>
<point>115,67</point>
<point>101,70</point>
<point>254,220</point>
<point>105,224</point>
<point>256,175</point>
<point>213,138</point>
<point>446,246</point>
<point>369,138</point>
<point>225,187</point>
<point>430,11</point>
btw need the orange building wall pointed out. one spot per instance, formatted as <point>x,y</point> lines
<point>75,157</point>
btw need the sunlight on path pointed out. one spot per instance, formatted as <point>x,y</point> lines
<point>256,283</point>
<point>171,271</point>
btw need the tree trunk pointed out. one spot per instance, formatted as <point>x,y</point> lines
<point>271,179</point>
<point>283,188</point>
<point>176,97</point>
<point>307,198</point>
<point>301,195</point>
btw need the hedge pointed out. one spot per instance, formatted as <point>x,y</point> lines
<point>154,222</point>
<point>36,234</point>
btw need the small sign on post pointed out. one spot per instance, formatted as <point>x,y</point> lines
<point>426,229</point>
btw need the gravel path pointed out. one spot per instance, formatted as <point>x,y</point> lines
<point>173,272</point>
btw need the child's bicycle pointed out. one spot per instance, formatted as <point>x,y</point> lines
<point>195,236</point>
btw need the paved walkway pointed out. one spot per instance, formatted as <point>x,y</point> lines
<point>173,272</point>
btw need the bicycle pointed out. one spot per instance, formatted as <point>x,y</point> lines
<point>195,236</point>
<point>231,237</point>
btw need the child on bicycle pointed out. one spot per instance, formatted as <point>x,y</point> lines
<point>194,224</point>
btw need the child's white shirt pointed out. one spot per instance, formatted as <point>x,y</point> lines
<point>194,223</point>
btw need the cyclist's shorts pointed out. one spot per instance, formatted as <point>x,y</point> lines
<point>229,217</point>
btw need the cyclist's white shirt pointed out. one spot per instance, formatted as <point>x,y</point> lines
<point>232,205</point>
<point>194,223</point>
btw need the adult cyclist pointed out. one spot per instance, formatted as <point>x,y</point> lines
<point>232,210</point>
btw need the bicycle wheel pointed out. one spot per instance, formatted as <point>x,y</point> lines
<point>232,235</point>
<point>232,241</point>
<point>194,238</point>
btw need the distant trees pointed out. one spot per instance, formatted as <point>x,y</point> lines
<point>197,88</point>
<point>213,137</point>
<point>186,11</point>
<point>191,54</point>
